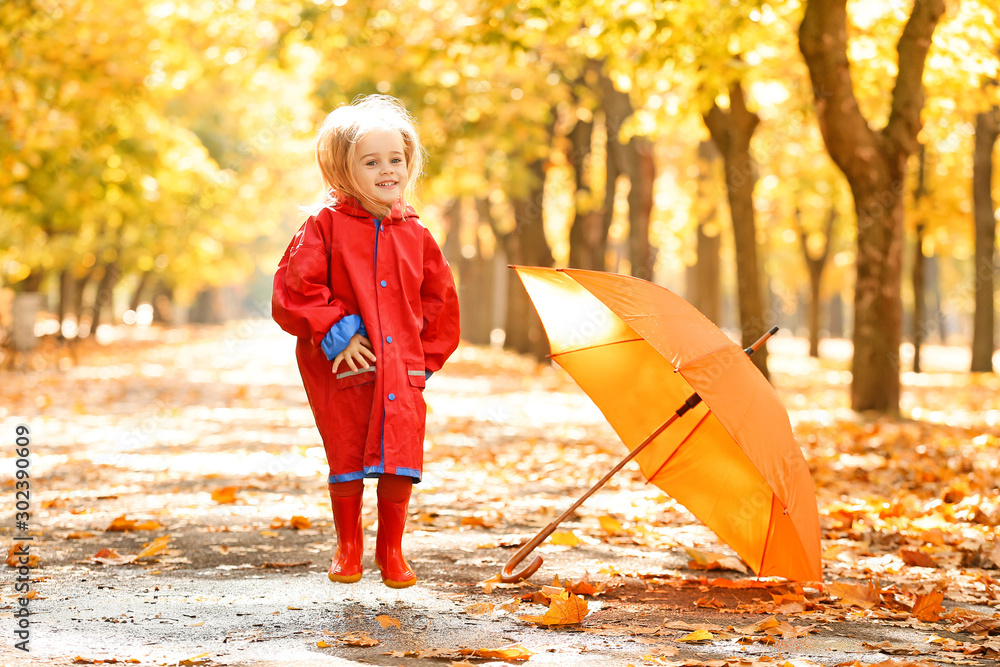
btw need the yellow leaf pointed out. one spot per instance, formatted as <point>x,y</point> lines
<point>386,621</point>
<point>322,644</point>
<point>565,538</point>
<point>698,636</point>
<point>611,525</point>
<point>154,547</point>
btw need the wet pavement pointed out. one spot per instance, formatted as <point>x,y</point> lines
<point>157,433</point>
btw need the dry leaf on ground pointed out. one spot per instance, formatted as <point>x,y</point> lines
<point>385,621</point>
<point>565,609</point>
<point>512,652</point>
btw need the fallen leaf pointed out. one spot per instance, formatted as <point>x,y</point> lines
<point>916,558</point>
<point>79,536</point>
<point>121,524</point>
<point>491,583</point>
<point>479,609</point>
<point>698,637</point>
<point>512,652</point>
<point>225,495</point>
<point>759,626</point>
<point>200,659</point>
<point>15,554</point>
<point>477,521</point>
<point>855,595</point>
<point>385,621</point>
<point>704,560</point>
<point>565,609</point>
<point>565,538</point>
<point>112,557</point>
<point>611,525</point>
<point>927,607</point>
<point>152,548</point>
<point>357,639</point>
<point>300,523</point>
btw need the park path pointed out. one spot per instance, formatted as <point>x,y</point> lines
<point>201,438</point>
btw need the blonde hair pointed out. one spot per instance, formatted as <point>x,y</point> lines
<point>337,141</point>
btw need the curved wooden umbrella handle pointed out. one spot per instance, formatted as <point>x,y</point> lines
<point>508,576</point>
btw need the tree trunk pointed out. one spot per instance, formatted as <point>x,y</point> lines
<point>67,295</point>
<point>635,160</point>
<point>705,288</point>
<point>731,131</point>
<point>918,280</point>
<point>587,237</point>
<point>33,283</point>
<point>526,245</point>
<point>105,291</point>
<point>987,131</point>
<point>641,174</point>
<point>816,266</point>
<point>137,295</point>
<point>874,163</point>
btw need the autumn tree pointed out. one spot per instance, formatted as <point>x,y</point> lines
<point>874,162</point>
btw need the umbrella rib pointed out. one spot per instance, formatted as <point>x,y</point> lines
<point>678,447</point>
<point>594,347</point>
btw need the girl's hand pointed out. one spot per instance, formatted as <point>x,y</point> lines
<point>357,354</point>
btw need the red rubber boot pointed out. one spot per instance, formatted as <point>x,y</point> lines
<point>388,545</point>
<point>346,566</point>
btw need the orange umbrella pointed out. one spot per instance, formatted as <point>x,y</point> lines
<point>701,421</point>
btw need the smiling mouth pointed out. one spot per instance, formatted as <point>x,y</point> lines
<point>386,184</point>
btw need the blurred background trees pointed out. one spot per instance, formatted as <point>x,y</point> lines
<point>759,157</point>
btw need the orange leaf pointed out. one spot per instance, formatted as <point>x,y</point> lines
<point>865,597</point>
<point>225,495</point>
<point>300,523</point>
<point>566,609</point>
<point>916,558</point>
<point>927,607</point>
<point>386,621</point>
<point>477,521</point>
<point>122,524</point>
<point>512,652</point>
<point>357,639</point>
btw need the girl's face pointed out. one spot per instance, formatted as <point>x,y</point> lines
<point>381,166</point>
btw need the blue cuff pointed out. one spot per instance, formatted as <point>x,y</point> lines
<point>427,375</point>
<point>362,330</point>
<point>339,335</point>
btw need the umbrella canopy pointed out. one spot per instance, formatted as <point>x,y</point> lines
<point>640,351</point>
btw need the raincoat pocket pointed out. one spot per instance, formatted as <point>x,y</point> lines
<point>417,376</point>
<point>351,378</point>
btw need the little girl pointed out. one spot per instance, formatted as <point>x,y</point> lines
<point>365,289</point>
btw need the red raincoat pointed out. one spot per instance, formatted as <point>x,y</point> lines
<point>341,262</point>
